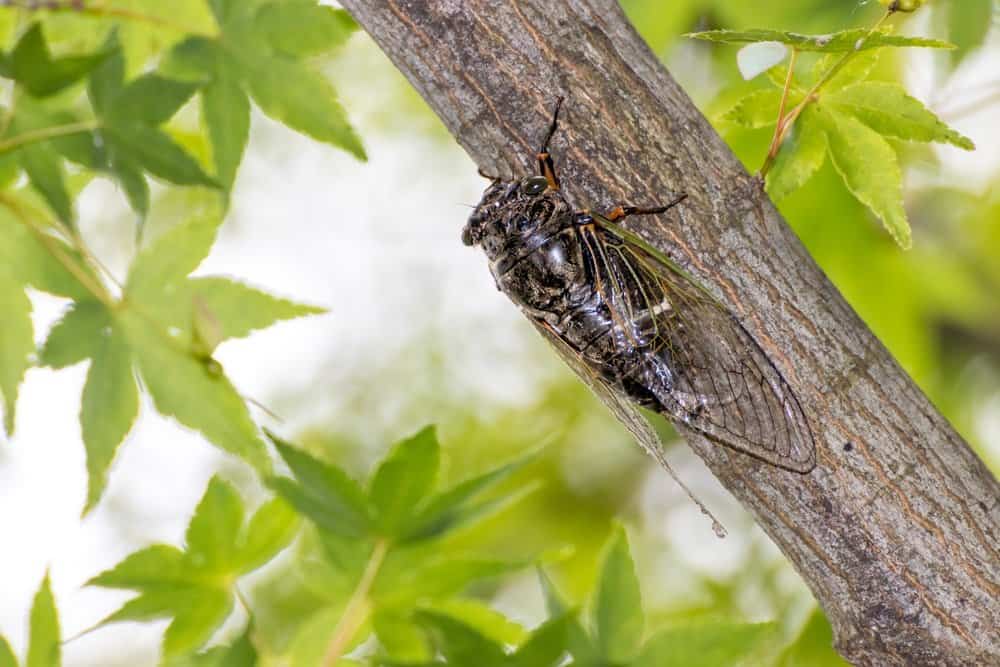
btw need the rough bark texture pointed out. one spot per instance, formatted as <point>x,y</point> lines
<point>896,530</point>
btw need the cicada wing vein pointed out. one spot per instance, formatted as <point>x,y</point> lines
<point>721,382</point>
<point>625,412</point>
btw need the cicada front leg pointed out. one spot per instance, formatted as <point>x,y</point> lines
<point>546,167</point>
<point>622,211</point>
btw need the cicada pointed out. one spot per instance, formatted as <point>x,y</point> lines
<point>633,324</point>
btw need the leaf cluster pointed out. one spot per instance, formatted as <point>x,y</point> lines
<point>393,588</point>
<point>836,111</point>
<point>77,115</point>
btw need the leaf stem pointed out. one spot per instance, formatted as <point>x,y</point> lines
<point>92,285</point>
<point>772,150</point>
<point>356,611</point>
<point>785,123</point>
<point>46,133</point>
<point>84,250</point>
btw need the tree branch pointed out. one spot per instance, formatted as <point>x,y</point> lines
<point>896,530</point>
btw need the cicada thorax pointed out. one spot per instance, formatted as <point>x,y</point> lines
<point>563,271</point>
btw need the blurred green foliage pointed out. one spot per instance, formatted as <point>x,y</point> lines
<point>410,558</point>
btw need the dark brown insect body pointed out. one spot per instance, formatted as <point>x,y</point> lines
<point>632,323</point>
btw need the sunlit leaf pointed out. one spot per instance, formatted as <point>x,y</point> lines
<point>194,588</point>
<point>802,154</point>
<point>400,637</point>
<point>45,644</point>
<point>32,65</point>
<point>226,110</point>
<point>17,343</point>
<point>869,167</point>
<point>44,169</point>
<point>406,578</point>
<point>758,109</point>
<point>301,98</point>
<point>578,643</point>
<point>76,336</point>
<point>150,99</point>
<point>133,184</point>
<point>545,646</point>
<point>241,309</point>
<point>481,617</point>
<point>109,406</point>
<point>192,391</point>
<point>241,653</point>
<point>323,493</point>
<point>157,153</point>
<point>856,39</point>
<point>858,68</point>
<point>157,565</point>
<point>27,257</point>
<point>106,81</point>
<point>618,617</point>
<point>212,534</point>
<point>270,530</point>
<point>461,644</point>
<point>303,28</point>
<point>449,509</point>
<point>7,657</point>
<point>403,480</point>
<point>196,622</point>
<point>887,109</point>
<point>160,269</point>
<point>130,114</point>
<point>813,647</point>
<point>706,645</point>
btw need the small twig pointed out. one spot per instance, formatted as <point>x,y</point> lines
<point>975,106</point>
<point>785,124</point>
<point>49,243</point>
<point>84,250</point>
<point>46,133</point>
<point>772,150</point>
<point>356,610</point>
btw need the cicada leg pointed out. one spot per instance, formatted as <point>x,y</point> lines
<point>622,212</point>
<point>488,176</point>
<point>546,167</point>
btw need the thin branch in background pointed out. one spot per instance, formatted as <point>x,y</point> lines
<point>356,611</point>
<point>95,287</point>
<point>987,100</point>
<point>46,133</point>
<point>99,10</point>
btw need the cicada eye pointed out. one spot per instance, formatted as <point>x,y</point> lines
<point>534,185</point>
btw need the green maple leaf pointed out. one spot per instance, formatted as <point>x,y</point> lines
<point>259,54</point>
<point>159,331</point>
<point>850,122</point>
<point>44,640</point>
<point>194,586</point>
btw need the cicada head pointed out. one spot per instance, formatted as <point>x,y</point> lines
<point>511,211</point>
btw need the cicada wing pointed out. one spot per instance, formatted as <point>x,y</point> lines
<point>625,412</point>
<point>702,365</point>
<point>621,407</point>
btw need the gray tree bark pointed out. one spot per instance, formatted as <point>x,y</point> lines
<point>896,530</point>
